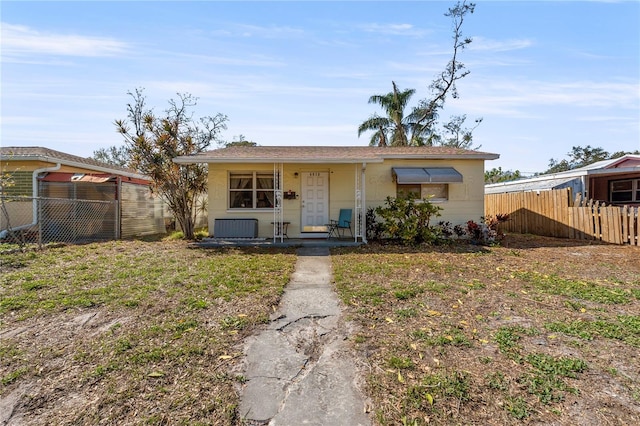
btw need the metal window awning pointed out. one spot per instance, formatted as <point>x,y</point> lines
<point>408,175</point>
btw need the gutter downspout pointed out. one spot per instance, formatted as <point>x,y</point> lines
<point>34,187</point>
<point>34,191</point>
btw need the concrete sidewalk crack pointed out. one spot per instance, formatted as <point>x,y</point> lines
<point>305,342</point>
<point>313,316</point>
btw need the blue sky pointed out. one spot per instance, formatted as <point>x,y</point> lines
<point>545,76</point>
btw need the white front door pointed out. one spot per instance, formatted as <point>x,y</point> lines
<point>315,201</point>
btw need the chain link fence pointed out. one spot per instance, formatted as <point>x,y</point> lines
<point>41,220</point>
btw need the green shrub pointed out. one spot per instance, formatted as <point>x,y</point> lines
<point>407,220</point>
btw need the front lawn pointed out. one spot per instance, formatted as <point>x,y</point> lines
<point>538,330</point>
<point>131,332</point>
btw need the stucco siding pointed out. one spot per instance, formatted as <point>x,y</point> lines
<point>341,193</point>
<point>465,200</point>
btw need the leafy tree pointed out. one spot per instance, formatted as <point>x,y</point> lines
<point>117,156</point>
<point>457,136</point>
<point>154,141</point>
<point>496,175</point>
<point>240,140</point>
<point>427,111</point>
<point>582,156</point>
<point>419,126</point>
<point>619,154</point>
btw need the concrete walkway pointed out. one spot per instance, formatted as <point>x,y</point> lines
<point>300,369</point>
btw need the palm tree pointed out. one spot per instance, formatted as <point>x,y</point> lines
<point>392,129</point>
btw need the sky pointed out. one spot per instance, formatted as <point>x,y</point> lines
<point>544,75</point>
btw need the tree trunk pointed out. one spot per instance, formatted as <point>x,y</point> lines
<point>187,224</point>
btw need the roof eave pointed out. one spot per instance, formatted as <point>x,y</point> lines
<point>194,160</point>
<point>48,159</point>
<point>379,159</point>
<point>441,156</point>
<point>567,174</point>
<point>614,171</point>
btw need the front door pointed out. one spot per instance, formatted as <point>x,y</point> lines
<point>315,201</point>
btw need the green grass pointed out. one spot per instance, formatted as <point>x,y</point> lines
<point>434,324</point>
<point>400,363</point>
<point>625,328</point>
<point>508,339</point>
<point>518,407</point>
<point>13,375</point>
<point>451,336</point>
<point>454,384</point>
<point>551,366</point>
<point>579,289</point>
<point>497,381</point>
<point>485,329</point>
<point>60,279</point>
<point>178,315</point>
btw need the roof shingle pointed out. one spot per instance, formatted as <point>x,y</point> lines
<point>330,154</point>
<point>51,155</point>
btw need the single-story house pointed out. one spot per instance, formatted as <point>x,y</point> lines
<point>615,181</point>
<point>287,191</point>
<point>128,208</point>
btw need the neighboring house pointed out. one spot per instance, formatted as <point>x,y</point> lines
<point>46,173</point>
<point>614,181</point>
<point>278,191</point>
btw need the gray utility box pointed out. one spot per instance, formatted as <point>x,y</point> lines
<point>235,228</point>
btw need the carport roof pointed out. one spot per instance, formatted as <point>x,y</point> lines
<point>330,154</point>
<point>37,153</point>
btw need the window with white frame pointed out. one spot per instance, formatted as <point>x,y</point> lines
<point>430,183</point>
<point>624,191</point>
<point>430,191</point>
<point>251,190</point>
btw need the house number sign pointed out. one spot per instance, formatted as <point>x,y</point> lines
<point>314,174</point>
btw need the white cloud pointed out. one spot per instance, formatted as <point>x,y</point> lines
<point>239,60</point>
<point>393,29</point>
<point>273,31</point>
<point>22,40</point>
<point>519,98</point>
<point>485,44</point>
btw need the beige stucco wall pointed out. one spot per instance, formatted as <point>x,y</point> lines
<point>466,200</point>
<point>339,195</point>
